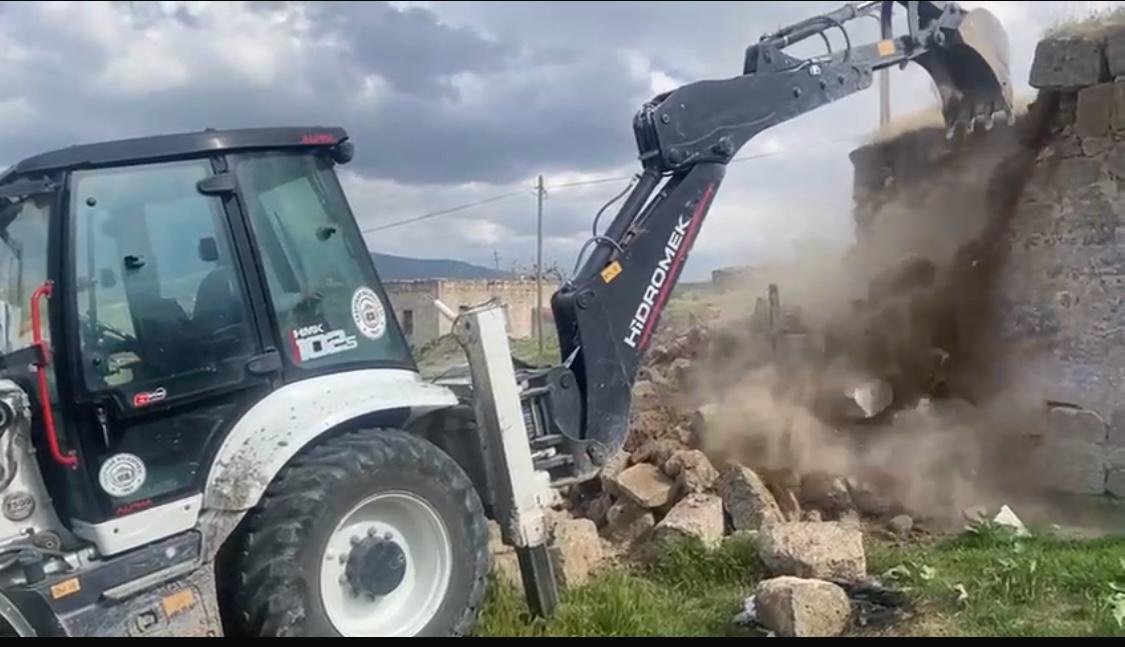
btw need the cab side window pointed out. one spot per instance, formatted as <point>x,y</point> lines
<point>161,308</point>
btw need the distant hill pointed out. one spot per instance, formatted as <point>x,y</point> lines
<point>401,268</point>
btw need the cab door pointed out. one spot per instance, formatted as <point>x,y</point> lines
<point>167,353</point>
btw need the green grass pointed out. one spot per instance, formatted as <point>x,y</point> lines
<point>689,592</point>
<point>991,583</point>
<point>1035,586</point>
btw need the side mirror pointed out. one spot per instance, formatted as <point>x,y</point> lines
<point>343,152</point>
<point>107,278</point>
<point>208,250</point>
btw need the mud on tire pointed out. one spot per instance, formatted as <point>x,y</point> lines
<point>279,569</point>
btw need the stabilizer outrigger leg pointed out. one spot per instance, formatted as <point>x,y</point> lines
<point>520,493</point>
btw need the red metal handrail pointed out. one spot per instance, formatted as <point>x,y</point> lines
<point>69,460</point>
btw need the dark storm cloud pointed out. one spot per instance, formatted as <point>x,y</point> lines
<point>408,48</point>
<point>449,105</point>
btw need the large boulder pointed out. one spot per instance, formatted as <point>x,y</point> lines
<point>823,550</point>
<point>645,485</point>
<point>747,499</point>
<point>696,516</point>
<point>1068,63</point>
<point>626,522</point>
<point>505,563</point>
<point>577,549</point>
<point>826,491</point>
<point>793,607</point>
<point>614,466</point>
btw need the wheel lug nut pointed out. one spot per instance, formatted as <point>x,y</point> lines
<point>387,536</point>
<point>355,539</point>
<point>343,579</point>
<point>371,532</point>
<point>343,559</point>
<point>370,597</point>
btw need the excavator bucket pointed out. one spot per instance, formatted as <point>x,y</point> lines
<point>972,72</point>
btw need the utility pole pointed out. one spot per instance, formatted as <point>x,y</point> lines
<point>886,33</point>
<point>539,195</point>
<point>496,259</point>
<point>884,97</point>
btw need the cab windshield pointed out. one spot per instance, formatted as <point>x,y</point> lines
<point>329,304</point>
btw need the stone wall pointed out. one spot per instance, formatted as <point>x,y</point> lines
<point>1027,227</point>
<point>1063,284</point>
<point>414,300</point>
<point>413,303</point>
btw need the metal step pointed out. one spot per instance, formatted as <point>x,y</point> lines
<point>544,442</point>
<point>554,462</point>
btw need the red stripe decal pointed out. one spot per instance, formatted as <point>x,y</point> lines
<point>294,347</point>
<point>673,272</point>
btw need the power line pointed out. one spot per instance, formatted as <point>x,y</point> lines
<point>434,214</point>
<point>602,180</point>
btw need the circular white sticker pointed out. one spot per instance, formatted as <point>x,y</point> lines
<point>368,313</point>
<point>122,475</point>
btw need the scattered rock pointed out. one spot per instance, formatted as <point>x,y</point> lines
<point>812,515</point>
<point>696,516</point>
<point>577,550</point>
<point>692,471</point>
<point>827,492</point>
<point>747,499</point>
<point>626,522</point>
<point>1009,519</point>
<point>598,508</point>
<point>850,519</point>
<point>680,372</point>
<point>869,398</point>
<point>645,391</point>
<point>794,607</point>
<point>868,501</point>
<point>687,436</point>
<point>505,564</point>
<point>901,525</point>
<point>643,484</point>
<point>702,419</point>
<point>819,550</point>
<point>790,506</point>
<point>656,451</point>
<point>1067,63</point>
<point>614,466</point>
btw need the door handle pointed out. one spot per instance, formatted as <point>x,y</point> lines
<point>264,364</point>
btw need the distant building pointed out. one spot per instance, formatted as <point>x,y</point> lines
<point>413,303</point>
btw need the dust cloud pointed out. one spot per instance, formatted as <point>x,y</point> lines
<point>876,367</point>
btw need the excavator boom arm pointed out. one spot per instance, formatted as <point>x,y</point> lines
<point>606,314</point>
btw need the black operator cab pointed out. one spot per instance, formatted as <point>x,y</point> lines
<point>154,289</point>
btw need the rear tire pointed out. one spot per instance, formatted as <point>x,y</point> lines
<point>328,507</point>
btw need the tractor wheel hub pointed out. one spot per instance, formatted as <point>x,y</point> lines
<point>376,566</point>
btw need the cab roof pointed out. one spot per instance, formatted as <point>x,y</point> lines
<point>160,147</point>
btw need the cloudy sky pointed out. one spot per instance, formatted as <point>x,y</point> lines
<point>452,103</point>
